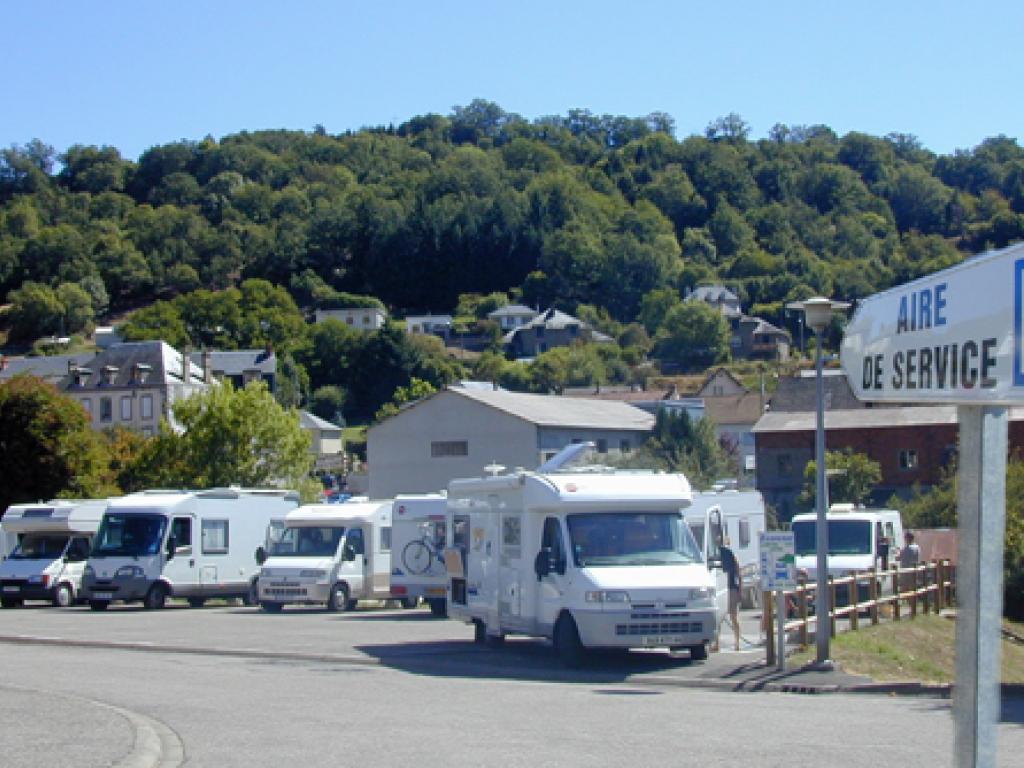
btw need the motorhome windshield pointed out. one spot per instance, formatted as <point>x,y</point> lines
<point>631,538</point>
<point>308,541</point>
<point>845,537</point>
<point>35,546</point>
<point>129,534</point>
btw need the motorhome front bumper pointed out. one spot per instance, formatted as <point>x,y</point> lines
<point>115,588</point>
<point>645,628</point>
<point>282,590</point>
<point>23,589</point>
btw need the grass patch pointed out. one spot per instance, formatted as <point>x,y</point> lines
<point>919,650</point>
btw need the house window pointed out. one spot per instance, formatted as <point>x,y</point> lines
<point>908,459</point>
<point>215,537</point>
<point>445,448</point>
<point>602,445</point>
<point>126,408</point>
<point>366,321</point>
<point>624,446</point>
<point>87,404</point>
<point>349,320</point>
<point>146,406</point>
<point>106,409</point>
<point>540,331</point>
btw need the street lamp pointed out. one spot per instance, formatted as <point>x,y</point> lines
<point>818,314</point>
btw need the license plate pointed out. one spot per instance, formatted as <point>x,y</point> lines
<point>12,589</point>
<point>656,641</point>
<point>103,595</point>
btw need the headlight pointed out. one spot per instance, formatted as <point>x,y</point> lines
<point>130,572</point>
<point>312,574</point>
<point>702,593</point>
<point>44,580</point>
<point>608,596</point>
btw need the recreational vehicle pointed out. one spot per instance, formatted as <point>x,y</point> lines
<point>859,540</point>
<point>589,559</point>
<point>330,554</point>
<point>738,516</point>
<point>418,531</point>
<point>197,545</point>
<point>53,541</point>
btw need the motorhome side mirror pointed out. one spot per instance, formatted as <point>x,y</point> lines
<point>542,563</point>
<point>261,555</point>
<point>348,553</point>
<point>172,544</point>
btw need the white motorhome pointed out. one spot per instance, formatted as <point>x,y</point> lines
<point>859,540</point>
<point>589,559</point>
<point>53,540</point>
<point>418,533</point>
<point>197,545</point>
<point>738,515</point>
<point>332,555</point>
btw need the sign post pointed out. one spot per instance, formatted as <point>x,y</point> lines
<point>777,575</point>
<point>957,337</point>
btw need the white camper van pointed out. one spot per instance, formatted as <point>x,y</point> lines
<point>154,545</point>
<point>738,515</point>
<point>53,540</point>
<point>418,533</point>
<point>590,559</point>
<point>859,539</point>
<point>330,554</point>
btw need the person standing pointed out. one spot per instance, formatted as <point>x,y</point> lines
<point>734,579</point>
<point>910,556</point>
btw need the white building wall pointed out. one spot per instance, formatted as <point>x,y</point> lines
<point>400,450</point>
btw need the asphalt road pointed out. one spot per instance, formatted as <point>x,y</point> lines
<point>396,688</point>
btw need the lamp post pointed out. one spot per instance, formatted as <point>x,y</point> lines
<point>818,314</point>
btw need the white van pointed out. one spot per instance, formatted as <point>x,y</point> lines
<point>418,533</point>
<point>740,515</point>
<point>590,559</point>
<point>158,544</point>
<point>53,541</point>
<point>329,554</point>
<point>859,540</point>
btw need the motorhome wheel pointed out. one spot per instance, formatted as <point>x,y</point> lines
<point>438,607</point>
<point>698,652</point>
<point>338,599</point>
<point>567,642</point>
<point>479,632</point>
<point>270,607</point>
<point>156,598</point>
<point>64,597</point>
<point>410,602</point>
<point>196,602</point>
<point>252,597</point>
<point>9,602</point>
<point>99,605</point>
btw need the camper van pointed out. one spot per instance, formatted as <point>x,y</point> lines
<point>418,532</point>
<point>859,539</point>
<point>738,515</point>
<point>53,541</point>
<point>590,559</point>
<point>197,545</point>
<point>332,555</point>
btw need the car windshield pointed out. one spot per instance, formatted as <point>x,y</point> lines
<point>631,538</point>
<point>307,541</point>
<point>38,546</point>
<point>845,537</point>
<point>129,534</point>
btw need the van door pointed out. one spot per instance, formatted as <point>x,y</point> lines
<point>354,563</point>
<point>180,570</point>
<point>74,562</point>
<point>510,571</point>
<point>551,567</point>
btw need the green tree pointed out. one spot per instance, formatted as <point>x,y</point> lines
<point>851,478</point>
<point>35,311</point>
<point>681,444</point>
<point>417,390</point>
<point>231,437</point>
<point>693,334</point>
<point>47,447</point>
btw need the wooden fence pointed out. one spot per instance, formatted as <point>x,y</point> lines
<point>878,594</point>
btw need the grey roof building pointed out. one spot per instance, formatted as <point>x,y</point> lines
<point>239,366</point>
<point>551,328</point>
<point>456,432</point>
<point>719,297</point>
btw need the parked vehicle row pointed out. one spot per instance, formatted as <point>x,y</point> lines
<point>589,558</point>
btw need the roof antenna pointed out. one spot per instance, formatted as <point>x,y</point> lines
<point>494,469</point>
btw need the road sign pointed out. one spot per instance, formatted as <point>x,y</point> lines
<point>777,568</point>
<point>956,336</point>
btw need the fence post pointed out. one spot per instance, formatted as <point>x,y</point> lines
<point>803,610</point>
<point>769,625</point>
<point>854,601</point>
<point>913,592</point>
<point>940,590</point>
<point>831,618</point>
<point>873,594</point>
<point>896,593</point>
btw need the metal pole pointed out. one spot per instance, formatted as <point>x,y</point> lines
<point>780,599</point>
<point>981,504</point>
<point>821,601</point>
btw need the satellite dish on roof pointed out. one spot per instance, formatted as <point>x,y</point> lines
<point>494,469</point>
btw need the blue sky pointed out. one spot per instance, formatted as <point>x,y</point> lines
<point>137,74</point>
